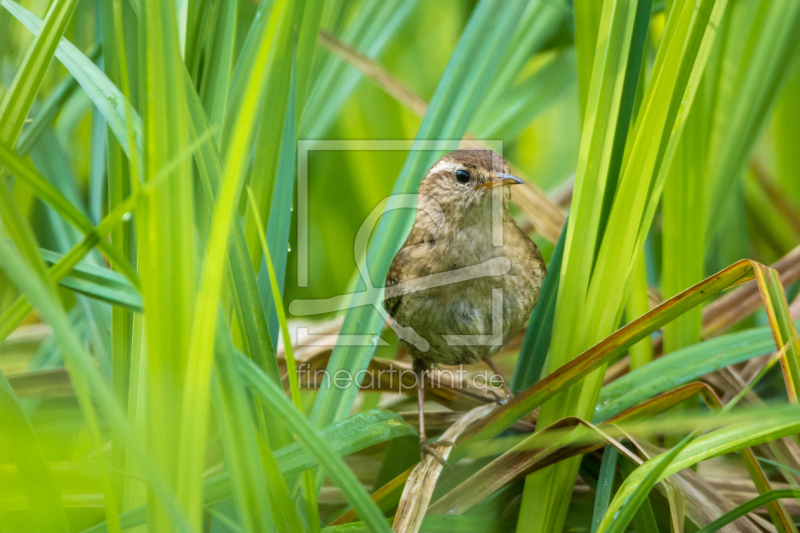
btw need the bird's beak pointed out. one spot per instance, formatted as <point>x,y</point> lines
<point>500,181</point>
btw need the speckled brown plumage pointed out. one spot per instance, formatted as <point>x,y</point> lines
<point>453,230</point>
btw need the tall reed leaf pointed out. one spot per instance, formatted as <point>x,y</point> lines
<point>600,137</point>
<point>166,248</point>
<point>196,392</point>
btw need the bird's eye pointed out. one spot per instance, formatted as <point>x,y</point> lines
<point>462,176</point>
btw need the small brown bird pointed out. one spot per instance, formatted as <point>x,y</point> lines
<point>442,287</point>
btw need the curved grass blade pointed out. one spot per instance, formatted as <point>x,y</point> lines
<point>631,495</point>
<point>609,347</point>
<point>101,91</point>
<point>680,367</point>
<point>54,198</point>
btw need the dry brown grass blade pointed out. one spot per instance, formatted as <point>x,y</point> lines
<point>541,450</point>
<point>545,216</point>
<point>50,383</point>
<point>520,461</point>
<point>395,376</point>
<point>677,507</point>
<point>436,421</point>
<point>739,303</point>
<point>775,195</point>
<point>736,305</point>
<point>419,488</point>
<point>786,451</point>
<point>369,68</point>
<point>794,308</point>
<point>378,496</point>
<point>704,503</point>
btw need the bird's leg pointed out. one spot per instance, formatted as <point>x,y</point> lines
<point>509,395</point>
<point>425,446</point>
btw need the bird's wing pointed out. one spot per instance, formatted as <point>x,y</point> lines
<point>392,279</point>
<point>407,265</point>
<point>532,247</point>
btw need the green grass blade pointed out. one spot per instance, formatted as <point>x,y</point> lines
<point>48,193</point>
<point>195,390</point>
<point>787,121</point>
<point>103,93</point>
<point>217,74</point>
<point>312,511</point>
<point>270,142</point>
<point>507,116</point>
<point>256,509</point>
<point>537,24</point>
<point>86,379</point>
<point>248,305</point>
<point>50,107</point>
<point>370,29</point>
<point>167,254</point>
<point>679,367</point>
<point>606,119</point>
<point>536,344</point>
<point>587,15</point>
<point>605,485</point>
<point>749,506</point>
<point>306,47</point>
<point>19,98</point>
<point>637,304</point>
<point>97,282</point>
<point>683,213</point>
<point>334,467</point>
<point>280,214</point>
<point>637,510</point>
<point>13,111</point>
<point>17,311</point>
<point>118,188</point>
<point>765,65</point>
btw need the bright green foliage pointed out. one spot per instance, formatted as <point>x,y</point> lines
<point>156,188</point>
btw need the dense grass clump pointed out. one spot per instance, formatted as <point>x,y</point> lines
<point>189,187</point>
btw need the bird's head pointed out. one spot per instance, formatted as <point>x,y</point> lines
<point>462,183</point>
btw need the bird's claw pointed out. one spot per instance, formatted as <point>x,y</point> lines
<point>498,400</point>
<point>427,447</point>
